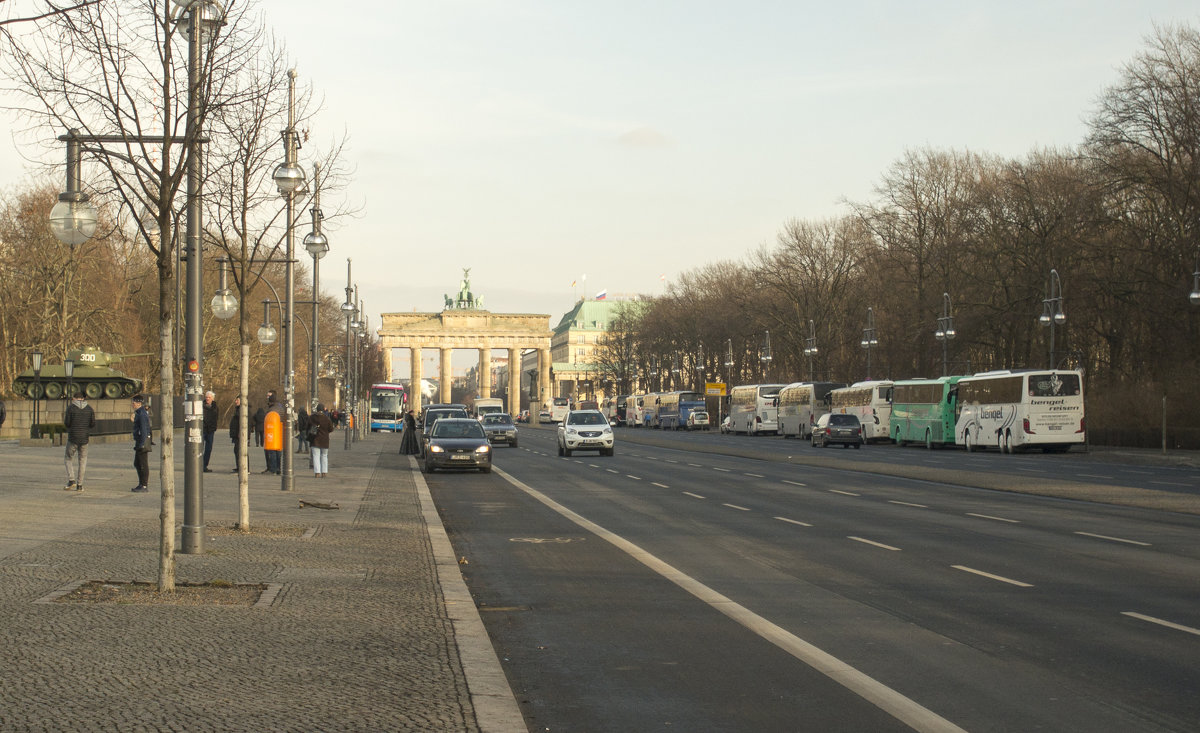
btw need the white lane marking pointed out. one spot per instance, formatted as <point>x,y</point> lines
<point>794,483</point>
<point>885,698</point>
<point>735,506</point>
<point>670,460</point>
<point>593,465</point>
<point>1001,578</point>
<point>635,478</point>
<point>1160,622</point>
<point>871,542</point>
<point>723,470</point>
<point>611,471</point>
<point>908,503</point>
<point>650,458</point>
<point>661,486</point>
<point>1031,470</point>
<point>793,521</point>
<point>844,493</point>
<point>1114,539</point>
<point>1094,475</point>
<point>754,475</point>
<point>694,496</point>
<point>579,462</point>
<point>994,519</point>
<point>696,465</point>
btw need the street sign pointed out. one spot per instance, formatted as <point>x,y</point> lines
<point>714,389</point>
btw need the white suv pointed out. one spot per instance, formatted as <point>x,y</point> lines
<point>585,430</point>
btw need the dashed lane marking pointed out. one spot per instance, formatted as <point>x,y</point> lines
<point>635,478</point>
<point>1114,539</point>
<point>908,503</point>
<point>722,470</point>
<point>1000,578</point>
<point>735,506</point>
<point>694,496</point>
<point>843,493</point>
<point>795,483</point>
<point>754,475</point>
<point>994,519</point>
<point>793,521</point>
<point>873,543</point>
<point>1161,622</point>
<point>661,486</point>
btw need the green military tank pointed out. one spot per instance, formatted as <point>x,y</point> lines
<point>93,374</point>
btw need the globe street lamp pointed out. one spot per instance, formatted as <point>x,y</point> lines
<point>868,339</point>
<point>945,329</point>
<point>289,179</point>
<point>73,218</point>
<point>317,246</point>
<point>1052,310</point>
<point>810,347</point>
<point>224,304</point>
<point>348,308</point>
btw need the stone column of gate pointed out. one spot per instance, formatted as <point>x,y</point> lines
<point>544,378</point>
<point>485,370</point>
<point>446,374</point>
<point>414,380</point>
<point>514,381</point>
<point>387,364</point>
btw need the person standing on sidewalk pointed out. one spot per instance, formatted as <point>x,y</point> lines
<point>211,417</point>
<point>79,418</point>
<point>319,440</point>
<point>235,430</point>
<point>141,444</point>
<point>273,435</point>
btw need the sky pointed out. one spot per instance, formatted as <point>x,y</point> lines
<point>546,142</point>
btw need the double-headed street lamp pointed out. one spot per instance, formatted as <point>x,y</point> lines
<point>945,330</point>
<point>869,341</point>
<point>810,347</point>
<point>1052,310</point>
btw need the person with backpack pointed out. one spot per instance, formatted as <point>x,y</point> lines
<point>79,418</point>
<point>319,428</point>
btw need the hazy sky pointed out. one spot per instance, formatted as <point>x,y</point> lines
<point>540,141</point>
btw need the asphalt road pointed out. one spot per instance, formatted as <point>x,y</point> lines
<point>720,585</point>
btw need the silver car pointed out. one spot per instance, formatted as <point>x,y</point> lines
<point>500,428</point>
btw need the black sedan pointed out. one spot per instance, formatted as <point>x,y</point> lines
<point>457,443</point>
<point>499,428</point>
<point>831,429</point>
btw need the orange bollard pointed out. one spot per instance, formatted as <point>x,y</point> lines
<point>273,432</point>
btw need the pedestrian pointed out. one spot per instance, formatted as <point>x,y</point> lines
<point>273,444</point>
<point>235,431</point>
<point>3,413</point>
<point>142,440</point>
<point>319,427</point>
<point>78,419</point>
<point>302,431</point>
<point>212,416</point>
<point>410,445</point>
<point>259,417</point>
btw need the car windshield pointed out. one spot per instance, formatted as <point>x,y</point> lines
<point>457,429</point>
<point>843,420</point>
<point>497,419</point>
<point>585,418</point>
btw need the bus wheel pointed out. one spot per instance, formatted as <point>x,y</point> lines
<point>928,439</point>
<point>1008,448</point>
<point>967,442</point>
<point>897,439</point>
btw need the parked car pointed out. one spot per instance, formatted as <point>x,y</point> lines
<point>727,424</point>
<point>434,414</point>
<point>499,428</point>
<point>585,430</point>
<point>835,428</point>
<point>697,420</point>
<point>458,442</point>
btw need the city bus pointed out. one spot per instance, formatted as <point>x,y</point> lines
<point>924,411</point>
<point>675,407</point>
<point>800,404</point>
<point>871,401</point>
<point>1015,410</point>
<point>387,407</point>
<point>753,408</point>
<point>558,408</point>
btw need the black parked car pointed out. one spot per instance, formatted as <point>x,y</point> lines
<point>457,442</point>
<point>432,415</point>
<point>837,428</point>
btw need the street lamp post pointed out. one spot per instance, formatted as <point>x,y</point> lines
<point>69,369</point>
<point>36,430</point>
<point>317,245</point>
<point>764,355</point>
<point>1052,310</point>
<point>945,331</point>
<point>348,309</point>
<point>869,341</point>
<point>728,379</point>
<point>810,347</point>
<point>289,179</point>
<point>1194,296</point>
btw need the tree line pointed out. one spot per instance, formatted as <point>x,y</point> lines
<point>976,236</point>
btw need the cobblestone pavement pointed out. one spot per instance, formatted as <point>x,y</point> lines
<point>357,638</point>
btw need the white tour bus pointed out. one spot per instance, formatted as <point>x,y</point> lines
<point>634,410</point>
<point>753,408</point>
<point>871,401</point>
<point>1022,409</point>
<point>800,404</point>
<point>650,409</point>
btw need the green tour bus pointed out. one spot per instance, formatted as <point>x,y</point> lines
<point>924,411</point>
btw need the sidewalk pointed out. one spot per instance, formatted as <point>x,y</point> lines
<point>371,628</point>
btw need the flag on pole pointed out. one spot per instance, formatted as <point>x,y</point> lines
<point>602,294</point>
<point>573,282</point>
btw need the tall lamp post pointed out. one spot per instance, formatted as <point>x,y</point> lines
<point>810,347</point>
<point>1194,296</point>
<point>348,309</point>
<point>728,380</point>
<point>869,341</point>
<point>764,355</point>
<point>317,245</point>
<point>289,179</point>
<point>69,370</point>
<point>1052,310</point>
<point>945,331</point>
<point>36,430</point>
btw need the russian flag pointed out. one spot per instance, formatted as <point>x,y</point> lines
<point>602,294</point>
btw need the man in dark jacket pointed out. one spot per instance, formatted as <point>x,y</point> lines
<point>78,419</point>
<point>235,430</point>
<point>211,416</point>
<point>260,417</point>
<point>141,443</point>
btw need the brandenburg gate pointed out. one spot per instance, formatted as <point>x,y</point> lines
<point>463,324</point>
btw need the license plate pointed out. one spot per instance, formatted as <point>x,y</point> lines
<point>463,457</point>
<point>1055,427</point>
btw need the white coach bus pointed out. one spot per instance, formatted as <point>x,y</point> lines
<point>753,408</point>
<point>871,401</point>
<point>1025,409</point>
<point>800,404</point>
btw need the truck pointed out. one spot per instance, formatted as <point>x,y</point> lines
<point>485,405</point>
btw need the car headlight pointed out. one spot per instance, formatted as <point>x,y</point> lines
<point>608,431</point>
<point>571,431</point>
<point>483,449</point>
<point>436,449</point>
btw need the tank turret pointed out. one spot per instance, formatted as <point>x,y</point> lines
<point>93,375</point>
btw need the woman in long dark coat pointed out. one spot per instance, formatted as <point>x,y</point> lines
<point>409,444</point>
